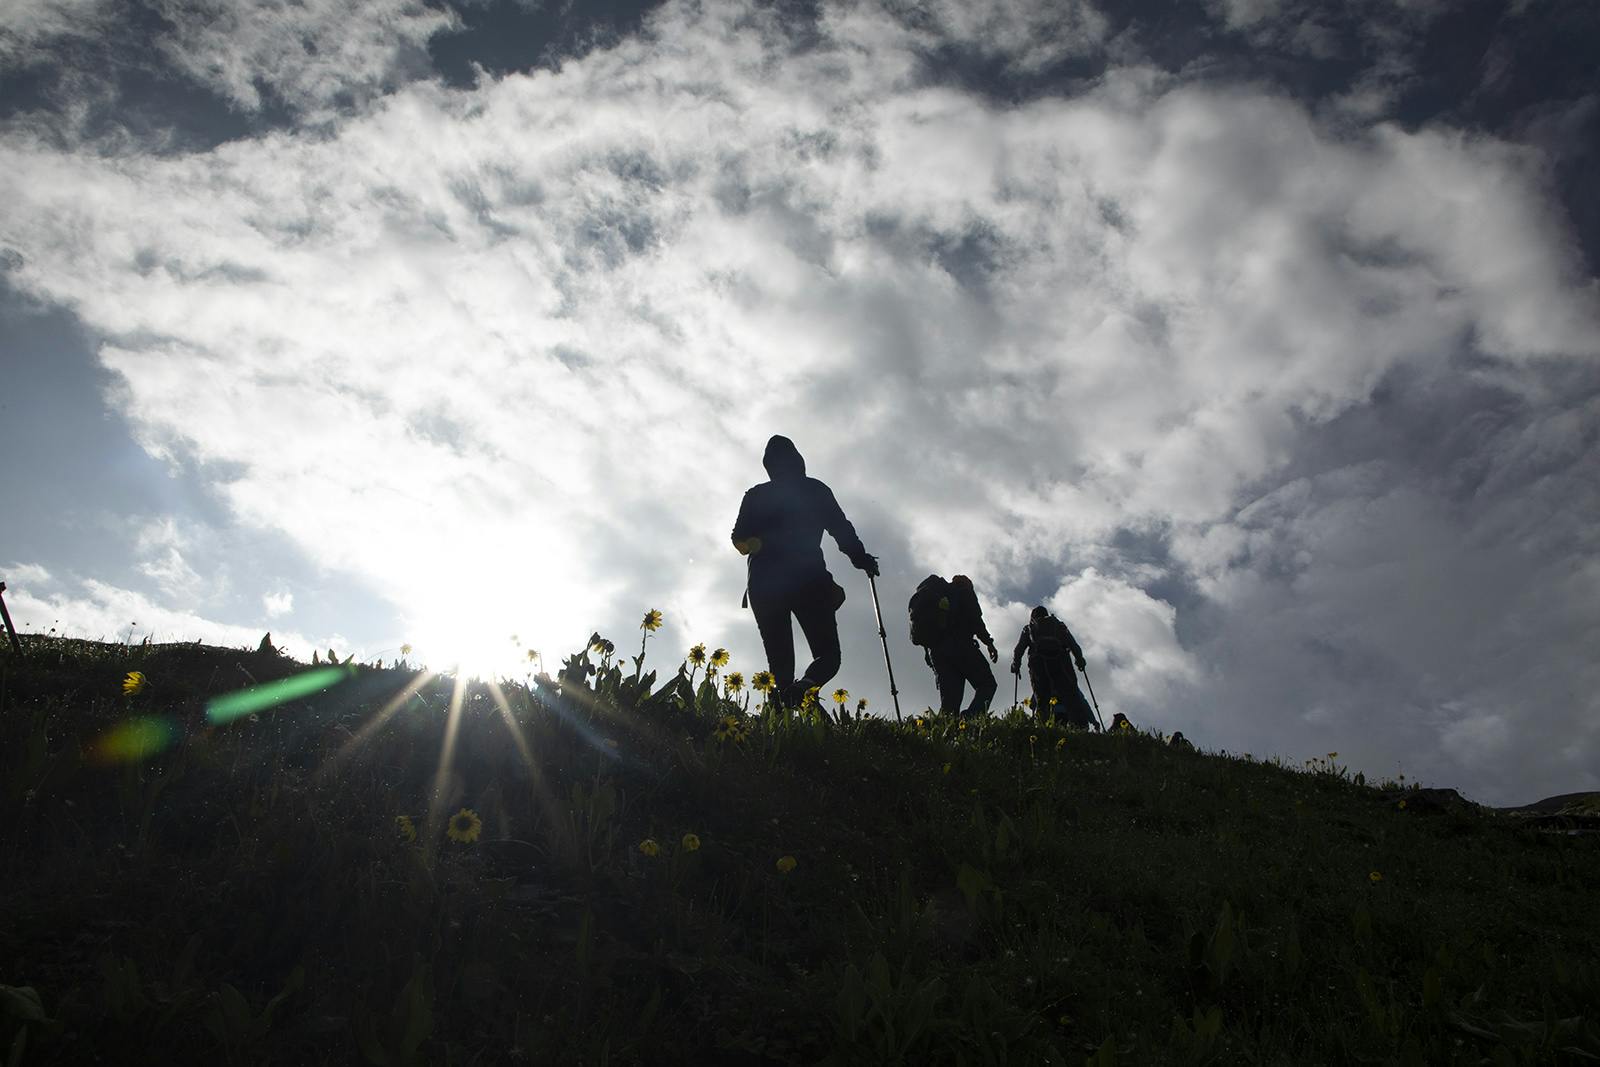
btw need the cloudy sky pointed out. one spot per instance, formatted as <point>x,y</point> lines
<point>1259,338</point>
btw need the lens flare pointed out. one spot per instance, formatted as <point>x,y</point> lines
<point>136,739</point>
<point>270,694</point>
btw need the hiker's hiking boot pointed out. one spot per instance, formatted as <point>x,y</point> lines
<point>794,694</point>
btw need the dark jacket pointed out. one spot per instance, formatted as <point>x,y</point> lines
<point>788,514</point>
<point>1048,626</point>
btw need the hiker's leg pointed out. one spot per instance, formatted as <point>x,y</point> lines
<point>1070,702</point>
<point>1082,713</point>
<point>777,637</point>
<point>1040,678</point>
<point>975,669</point>
<point>1060,691</point>
<point>947,677</point>
<point>820,624</point>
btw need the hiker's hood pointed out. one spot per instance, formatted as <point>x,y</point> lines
<point>782,459</point>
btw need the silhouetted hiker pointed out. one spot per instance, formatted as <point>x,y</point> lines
<point>779,529</point>
<point>1119,722</point>
<point>1051,652</point>
<point>945,620</point>
<point>1179,741</point>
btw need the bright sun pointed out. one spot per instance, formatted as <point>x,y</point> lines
<point>486,640</point>
<point>494,603</point>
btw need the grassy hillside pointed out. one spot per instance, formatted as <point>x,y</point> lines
<point>652,883</point>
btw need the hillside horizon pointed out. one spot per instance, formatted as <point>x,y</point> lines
<point>1275,759</point>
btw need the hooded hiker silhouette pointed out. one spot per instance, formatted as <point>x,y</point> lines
<point>779,530</point>
<point>1051,652</point>
<point>945,619</point>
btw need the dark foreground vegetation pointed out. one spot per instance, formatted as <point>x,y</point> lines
<point>650,882</point>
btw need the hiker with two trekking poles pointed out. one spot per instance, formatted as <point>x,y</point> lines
<point>779,532</point>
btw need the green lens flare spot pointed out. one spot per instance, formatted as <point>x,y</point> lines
<point>136,739</point>
<point>270,694</point>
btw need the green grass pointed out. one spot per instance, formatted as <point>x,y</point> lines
<point>241,896</point>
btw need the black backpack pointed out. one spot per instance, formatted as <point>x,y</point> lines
<point>930,611</point>
<point>1049,637</point>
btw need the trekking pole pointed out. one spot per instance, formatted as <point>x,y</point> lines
<point>1101,722</point>
<point>883,635</point>
<point>1016,687</point>
<point>11,631</point>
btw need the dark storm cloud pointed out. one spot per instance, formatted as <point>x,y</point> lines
<point>1435,550</point>
<point>186,77</point>
<point>499,37</point>
<point>1522,71</point>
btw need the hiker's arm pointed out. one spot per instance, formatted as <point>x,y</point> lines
<point>844,534</point>
<point>1016,657</point>
<point>744,529</point>
<point>982,631</point>
<point>1073,647</point>
<point>977,622</point>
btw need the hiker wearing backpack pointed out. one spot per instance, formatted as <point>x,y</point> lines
<point>779,531</point>
<point>1052,651</point>
<point>947,622</point>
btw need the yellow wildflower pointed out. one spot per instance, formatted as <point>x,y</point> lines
<point>1032,738</point>
<point>1333,755</point>
<point>406,828</point>
<point>786,864</point>
<point>465,826</point>
<point>405,650</point>
<point>719,658</point>
<point>134,683</point>
<point>841,697</point>
<point>532,655</point>
<point>1374,877</point>
<point>763,681</point>
<point>947,768</point>
<point>1053,702</point>
<point>1061,742</point>
<point>961,727</point>
<point>734,682</point>
<point>652,621</point>
<point>1402,805</point>
<point>649,847</point>
<point>691,843</point>
<point>697,655</point>
<point>861,705</point>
